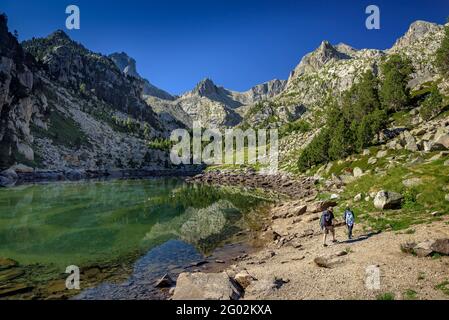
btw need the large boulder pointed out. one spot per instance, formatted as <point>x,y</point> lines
<point>10,174</point>
<point>244,279</point>
<point>206,286</point>
<point>442,138</point>
<point>424,249</point>
<point>21,168</point>
<point>410,142</point>
<point>441,246</point>
<point>6,182</point>
<point>388,200</point>
<point>321,206</point>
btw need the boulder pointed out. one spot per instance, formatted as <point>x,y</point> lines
<point>388,200</point>
<point>300,210</point>
<point>165,282</point>
<point>21,168</point>
<point>412,182</point>
<point>408,247</point>
<point>410,142</point>
<point>446,197</point>
<point>327,262</point>
<point>358,197</point>
<point>6,182</point>
<point>206,286</point>
<point>262,288</point>
<point>244,279</point>
<point>321,206</point>
<point>441,246</point>
<point>381,154</point>
<point>442,142</point>
<point>10,174</point>
<point>372,160</point>
<point>446,163</point>
<point>357,172</point>
<point>423,249</point>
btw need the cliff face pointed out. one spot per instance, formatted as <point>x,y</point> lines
<point>75,67</point>
<point>128,66</point>
<point>20,99</point>
<point>63,106</point>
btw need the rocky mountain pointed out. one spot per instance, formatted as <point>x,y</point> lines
<point>217,106</point>
<point>65,107</point>
<point>325,73</point>
<point>128,66</point>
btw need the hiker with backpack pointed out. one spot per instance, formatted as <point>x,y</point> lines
<point>327,224</point>
<point>349,219</point>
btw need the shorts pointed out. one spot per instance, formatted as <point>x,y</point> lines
<point>328,229</point>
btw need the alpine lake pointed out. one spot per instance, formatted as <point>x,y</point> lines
<point>123,235</point>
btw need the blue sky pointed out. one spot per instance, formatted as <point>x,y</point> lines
<point>237,43</point>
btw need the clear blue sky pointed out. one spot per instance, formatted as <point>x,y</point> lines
<point>237,43</point>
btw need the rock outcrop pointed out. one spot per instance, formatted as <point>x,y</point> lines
<point>128,66</point>
<point>388,200</point>
<point>206,286</point>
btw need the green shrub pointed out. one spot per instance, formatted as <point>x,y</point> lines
<point>432,105</point>
<point>442,54</point>
<point>444,286</point>
<point>385,296</point>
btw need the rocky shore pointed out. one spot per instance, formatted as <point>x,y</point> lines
<point>289,186</point>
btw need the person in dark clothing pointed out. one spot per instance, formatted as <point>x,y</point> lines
<point>327,224</point>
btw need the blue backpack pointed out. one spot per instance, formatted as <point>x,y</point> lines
<point>349,218</point>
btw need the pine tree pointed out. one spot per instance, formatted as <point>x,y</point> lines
<point>433,104</point>
<point>394,93</point>
<point>442,54</point>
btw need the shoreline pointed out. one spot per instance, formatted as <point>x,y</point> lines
<point>24,175</point>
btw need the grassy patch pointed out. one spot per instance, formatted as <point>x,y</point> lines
<point>410,294</point>
<point>62,131</point>
<point>444,287</point>
<point>418,203</point>
<point>385,296</point>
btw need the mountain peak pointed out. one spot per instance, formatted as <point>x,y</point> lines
<point>125,63</point>
<point>416,31</point>
<point>315,60</point>
<point>59,34</point>
<point>206,87</point>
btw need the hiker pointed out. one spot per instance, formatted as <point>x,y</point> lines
<point>349,219</point>
<point>327,224</point>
